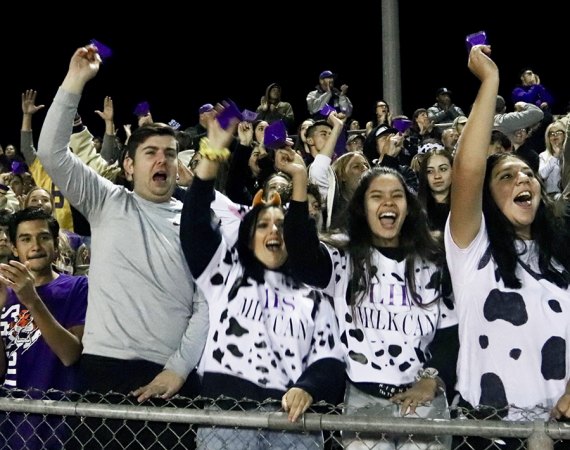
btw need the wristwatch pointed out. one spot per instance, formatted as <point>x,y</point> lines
<point>428,372</point>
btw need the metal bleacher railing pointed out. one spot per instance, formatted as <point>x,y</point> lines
<point>56,419</point>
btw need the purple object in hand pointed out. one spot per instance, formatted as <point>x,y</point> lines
<point>18,167</point>
<point>479,38</point>
<point>104,51</point>
<point>275,135</point>
<point>326,110</point>
<point>229,112</point>
<point>142,109</point>
<point>401,124</point>
<point>249,116</point>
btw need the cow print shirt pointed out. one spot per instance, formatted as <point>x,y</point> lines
<point>385,337</point>
<point>513,342</point>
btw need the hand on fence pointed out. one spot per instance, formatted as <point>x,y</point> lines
<point>295,402</point>
<point>562,408</point>
<point>165,385</point>
<point>421,393</point>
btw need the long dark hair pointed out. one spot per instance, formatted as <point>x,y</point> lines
<point>416,240</point>
<point>253,267</point>
<point>425,195</point>
<point>548,232</point>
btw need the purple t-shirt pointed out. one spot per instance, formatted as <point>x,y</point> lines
<point>30,361</point>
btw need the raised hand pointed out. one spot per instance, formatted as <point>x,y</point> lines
<point>219,138</point>
<point>336,119</point>
<point>394,145</point>
<point>289,162</point>
<point>263,103</point>
<point>29,102</point>
<point>83,66</point>
<point>480,63</point>
<point>145,120</point>
<point>245,133</point>
<point>108,112</point>
<point>127,128</point>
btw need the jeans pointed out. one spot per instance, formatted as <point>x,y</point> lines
<point>358,402</point>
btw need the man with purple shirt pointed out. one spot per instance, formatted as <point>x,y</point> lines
<point>530,90</point>
<point>41,323</point>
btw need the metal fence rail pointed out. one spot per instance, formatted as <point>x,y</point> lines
<point>71,411</point>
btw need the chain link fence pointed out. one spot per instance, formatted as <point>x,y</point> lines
<point>56,420</point>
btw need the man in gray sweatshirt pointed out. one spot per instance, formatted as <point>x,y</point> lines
<point>146,322</point>
<point>525,115</point>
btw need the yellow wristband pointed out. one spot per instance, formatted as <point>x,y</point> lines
<point>211,154</point>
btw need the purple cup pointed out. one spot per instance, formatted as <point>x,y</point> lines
<point>249,116</point>
<point>479,38</point>
<point>104,51</point>
<point>275,135</point>
<point>401,124</point>
<point>326,110</point>
<point>229,112</point>
<point>142,109</point>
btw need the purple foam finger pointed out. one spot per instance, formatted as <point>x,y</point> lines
<point>104,51</point>
<point>229,112</point>
<point>326,110</point>
<point>142,109</point>
<point>249,116</point>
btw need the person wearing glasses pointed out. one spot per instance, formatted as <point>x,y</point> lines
<point>532,91</point>
<point>383,116</point>
<point>550,158</point>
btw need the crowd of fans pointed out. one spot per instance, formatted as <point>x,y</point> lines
<point>413,263</point>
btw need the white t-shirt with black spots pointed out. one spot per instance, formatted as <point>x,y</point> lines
<point>513,342</point>
<point>267,333</point>
<point>385,340</point>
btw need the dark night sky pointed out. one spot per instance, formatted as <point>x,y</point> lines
<point>179,60</point>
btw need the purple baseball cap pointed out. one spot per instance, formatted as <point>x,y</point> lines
<point>326,74</point>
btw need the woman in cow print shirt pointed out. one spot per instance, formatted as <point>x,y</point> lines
<point>387,282</point>
<point>270,336</point>
<point>509,262</point>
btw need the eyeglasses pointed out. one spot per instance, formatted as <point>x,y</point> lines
<point>556,133</point>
